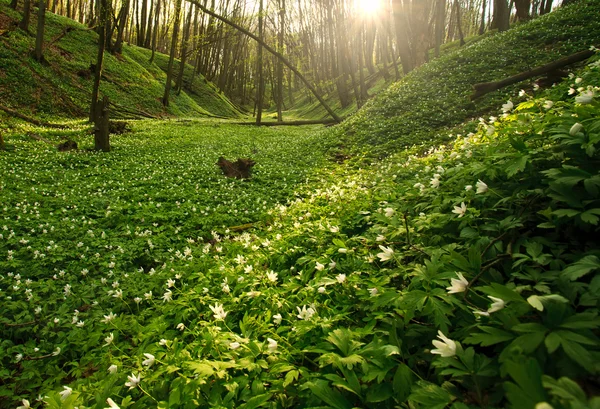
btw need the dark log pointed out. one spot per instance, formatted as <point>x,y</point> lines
<point>29,119</point>
<point>240,169</point>
<point>67,146</point>
<point>328,121</point>
<point>487,87</point>
<point>101,126</point>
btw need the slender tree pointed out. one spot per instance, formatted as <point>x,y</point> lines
<point>165,99</point>
<point>24,24</point>
<point>39,38</point>
<point>259,67</point>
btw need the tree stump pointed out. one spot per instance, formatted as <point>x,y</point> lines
<point>67,146</point>
<point>239,169</point>
<point>101,126</point>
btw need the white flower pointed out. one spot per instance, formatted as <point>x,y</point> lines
<point>468,187</point>
<point>65,393</point>
<point>133,380</point>
<point>373,291</point>
<point>234,345</point>
<point>107,318</point>
<point>446,349</point>
<point>170,283</point>
<point>522,93</point>
<point>18,357</point>
<point>575,129</point>
<point>80,324</point>
<point>497,305</point>
<point>585,97</point>
<point>578,80</point>
<point>460,210</point>
<point>109,339</point>
<point>319,266</point>
<point>334,229</point>
<point>219,312</point>
<point>536,87</point>
<point>389,212</point>
<point>167,296</point>
<point>149,361</point>
<point>305,313</point>
<point>163,342</point>
<point>180,326</point>
<point>435,183</point>
<point>111,404</point>
<point>321,290</point>
<point>458,286</point>
<point>148,295</point>
<point>481,186</point>
<point>25,404</point>
<point>572,91</point>
<point>507,107</point>
<point>272,276</point>
<point>548,104</point>
<point>340,278</point>
<point>272,347</point>
<point>386,254</point>
<point>112,369</point>
<point>277,319</point>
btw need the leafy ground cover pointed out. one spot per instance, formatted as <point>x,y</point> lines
<point>62,87</point>
<point>465,277</point>
<point>428,101</point>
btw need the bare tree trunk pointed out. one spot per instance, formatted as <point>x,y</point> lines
<point>24,24</point>
<point>122,20</point>
<point>103,17</point>
<point>2,144</point>
<point>155,33</point>
<point>184,47</point>
<point>259,67</point>
<point>459,23</point>
<point>501,15</point>
<point>440,22</point>
<point>523,7</point>
<point>165,99</point>
<point>310,87</point>
<point>39,39</point>
<point>279,63</point>
<point>482,26</point>
<point>143,20</point>
<point>402,37</point>
<point>149,26</point>
<point>101,126</point>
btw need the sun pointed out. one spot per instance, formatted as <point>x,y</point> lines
<point>369,7</point>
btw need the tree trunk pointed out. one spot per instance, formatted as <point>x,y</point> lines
<point>165,99</point>
<point>24,24</point>
<point>459,23</point>
<point>103,17</point>
<point>14,4</point>
<point>501,15</point>
<point>149,26</point>
<point>523,7</point>
<point>143,20</point>
<point>259,67</point>
<point>184,47</point>
<point>310,87</point>
<point>440,25</point>
<point>101,126</point>
<point>279,63</point>
<point>39,39</point>
<point>122,20</point>
<point>482,26</point>
<point>155,33</point>
<point>402,37</point>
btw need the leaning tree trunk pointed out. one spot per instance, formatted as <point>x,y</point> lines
<point>101,126</point>
<point>39,39</point>
<point>103,17</point>
<point>310,87</point>
<point>165,99</point>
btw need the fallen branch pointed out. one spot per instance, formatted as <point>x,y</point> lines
<point>119,109</point>
<point>328,121</point>
<point>242,227</point>
<point>30,119</point>
<point>487,87</point>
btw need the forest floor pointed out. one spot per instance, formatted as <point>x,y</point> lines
<point>459,272</point>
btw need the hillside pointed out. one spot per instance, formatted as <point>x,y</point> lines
<point>429,101</point>
<point>63,86</point>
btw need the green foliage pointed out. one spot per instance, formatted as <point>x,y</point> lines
<point>62,87</point>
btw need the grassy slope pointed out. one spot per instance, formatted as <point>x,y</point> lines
<point>436,96</point>
<point>56,89</point>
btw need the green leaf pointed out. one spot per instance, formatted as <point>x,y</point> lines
<point>379,392</point>
<point>328,395</point>
<point>588,320</point>
<point>431,396</point>
<point>582,267</point>
<point>538,301</point>
<point>290,377</point>
<point>552,342</point>
<point>564,388</point>
<point>516,165</point>
<point>256,401</point>
<point>489,336</point>
<point>402,382</point>
<point>528,390</point>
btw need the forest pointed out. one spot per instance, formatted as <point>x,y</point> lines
<point>326,204</point>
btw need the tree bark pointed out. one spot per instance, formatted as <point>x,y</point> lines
<point>279,63</point>
<point>487,87</point>
<point>259,67</point>
<point>440,25</point>
<point>155,32</point>
<point>272,51</point>
<point>501,15</point>
<point>184,47</point>
<point>523,7</point>
<point>482,25</point>
<point>459,23</point>
<point>24,24</point>
<point>103,17</point>
<point>101,126</point>
<point>2,145</point>
<point>122,20</point>
<point>165,99</point>
<point>39,39</point>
